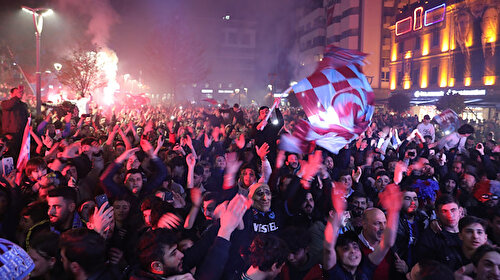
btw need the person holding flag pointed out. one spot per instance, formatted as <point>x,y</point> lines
<point>265,132</point>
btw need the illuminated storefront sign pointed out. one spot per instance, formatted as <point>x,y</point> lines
<point>434,15</point>
<point>403,26</point>
<point>439,93</point>
<point>417,18</point>
<point>420,18</point>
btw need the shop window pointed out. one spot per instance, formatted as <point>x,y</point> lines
<point>417,43</point>
<point>401,47</point>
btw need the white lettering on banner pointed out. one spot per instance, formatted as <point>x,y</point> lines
<point>265,228</point>
<point>464,92</point>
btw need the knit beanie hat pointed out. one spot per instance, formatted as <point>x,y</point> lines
<point>15,263</point>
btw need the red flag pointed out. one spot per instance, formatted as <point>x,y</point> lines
<point>211,101</point>
<point>24,153</point>
<point>337,100</point>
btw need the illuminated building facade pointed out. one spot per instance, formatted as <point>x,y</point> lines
<point>441,47</point>
<point>353,24</point>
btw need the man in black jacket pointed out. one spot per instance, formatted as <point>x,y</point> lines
<point>264,132</point>
<point>444,246</point>
<point>14,116</point>
<point>411,227</point>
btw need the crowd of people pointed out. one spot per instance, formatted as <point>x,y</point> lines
<point>169,192</point>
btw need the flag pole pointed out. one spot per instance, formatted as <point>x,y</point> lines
<point>276,101</point>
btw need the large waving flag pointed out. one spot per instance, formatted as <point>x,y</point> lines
<point>24,154</point>
<point>337,100</point>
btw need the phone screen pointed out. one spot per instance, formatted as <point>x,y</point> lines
<point>100,199</point>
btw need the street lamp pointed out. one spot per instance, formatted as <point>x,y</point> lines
<point>38,14</point>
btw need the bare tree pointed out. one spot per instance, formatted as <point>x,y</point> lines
<point>81,71</point>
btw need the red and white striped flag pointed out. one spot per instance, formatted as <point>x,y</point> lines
<point>337,100</point>
<point>24,153</point>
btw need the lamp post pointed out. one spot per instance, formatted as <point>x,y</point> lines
<point>38,14</point>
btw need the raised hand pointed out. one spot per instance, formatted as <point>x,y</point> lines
<point>189,141</point>
<point>190,161</point>
<point>310,168</point>
<point>47,141</point>
<point>159,144</point>
<point>262,151</point>
<point>125,155</point>
<point>480,148</point>
<point>11,178</point>
<point>232,215</point>
<point>240,141</point>
<point>207,141</point>
<point>177,148</point>
<point>49,116</point>
<point>400,265</point>
<point>232,163</point>
<point>71,151</point>
<point>169,221</point>
<point>398,171</point>
<point>196,196</point>
<point>261,125</point>
<point>391,198</point>
<point>147,147</point>
<point>178,200</point>
<point>339,192</point>
<point>102,220</point>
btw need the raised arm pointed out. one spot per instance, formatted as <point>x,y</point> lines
<point>111,136</point>
<point>333,225</point>
<point>160,173</point>
<point>266,166</point>
<point>191,162</point>
<point>196,200</point>
<point>111,188</point>
<point>216,258</point>
<point>232,167</point>
<point>39,144</point>
<point>392,200</point>
<point>127,143</point>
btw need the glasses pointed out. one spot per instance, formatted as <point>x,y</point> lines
<point>490,196</point>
